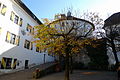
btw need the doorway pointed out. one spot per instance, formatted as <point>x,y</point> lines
<point>26,64</point>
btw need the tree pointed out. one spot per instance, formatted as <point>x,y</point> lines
<point>101,61</point>
<point>112,29</point>
<point>111,26</point>
<point>65,36</point>
<point>94,18</point>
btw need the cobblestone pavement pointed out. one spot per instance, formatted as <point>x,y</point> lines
<point>77,75</point>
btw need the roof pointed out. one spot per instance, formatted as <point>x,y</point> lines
<point>24,7</point>
<point>112,20</point>
<point>73,18</point>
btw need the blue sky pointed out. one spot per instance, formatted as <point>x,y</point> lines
<point>48,8</point>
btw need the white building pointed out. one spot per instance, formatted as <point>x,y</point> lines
<point>16,49</point>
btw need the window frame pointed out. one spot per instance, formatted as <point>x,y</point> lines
<point>0,5</point>
<point>38,50</point>
<point>4,7</point>
<point>8,37</point>
<point>16,19</point>
<point>20,22</point>
<point>12,16</point>
<point>7,63</point>
<point>12,38</point>
<point>28,44</point>
<point>30,29</point>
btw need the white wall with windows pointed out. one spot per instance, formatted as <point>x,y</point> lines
<point>16,27</point>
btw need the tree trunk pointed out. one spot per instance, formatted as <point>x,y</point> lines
<point>71,65</point>
<point>59,58</point>
<point>67,66</point>
<point>66,61</point>
<point>115,53</point>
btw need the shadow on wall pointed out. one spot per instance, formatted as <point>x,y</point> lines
<point>16,58</point>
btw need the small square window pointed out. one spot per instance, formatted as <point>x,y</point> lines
<point>3,10</point>
<point>37,49</point>
<point>28,45</point>
<point>30,29</point>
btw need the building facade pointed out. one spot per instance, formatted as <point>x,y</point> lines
<point>17,51</point>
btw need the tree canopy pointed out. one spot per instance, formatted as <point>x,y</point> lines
<point>65,36</point>
<point>51,37</point>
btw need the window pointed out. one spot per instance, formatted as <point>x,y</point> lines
<point>0,5</point>
<point>16,19</point>
<point>8,37</point>
<point>3,10</point>
<point>31,45</point>
<point>12,38</point>
<point>17,40</point>
<point>20,22</point>
<point>30,29</point>
<point>14,64</point>
<point>38,50</point>
<point>27,27</point>
<point>63,24</point>
<point>6,63</point>
<point>28,45</point>
<point>12,16</point>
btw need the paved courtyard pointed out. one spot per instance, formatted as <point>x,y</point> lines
<point>24,74</point>
<point>83,75</point>
<point>77,75</point>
